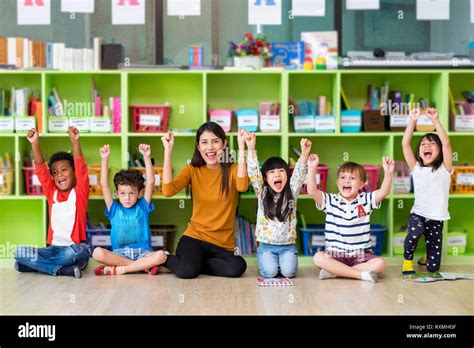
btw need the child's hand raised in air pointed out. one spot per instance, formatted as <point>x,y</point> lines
<point>251,140</point>
<point>388,165</point>
<point>32,136</point>
<point>168,141</point>
<point>414,114</point>
<point>313,162</point>
<point>73,133</point>
<point>432,114</point>
<point>241,135</point>
<point>145,150</point>
<point>305,148</point>
<point>105,151</point>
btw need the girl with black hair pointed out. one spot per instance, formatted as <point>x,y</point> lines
<point>276,215</point>
<point>431,168</point>
<point>214,180</point>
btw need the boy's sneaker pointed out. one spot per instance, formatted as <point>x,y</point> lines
<point>422,260</point>
<point>70,271</point>
<point>83,266</point>
<point>407,267</point>
<point>22,268</point>
<point>323,274</point>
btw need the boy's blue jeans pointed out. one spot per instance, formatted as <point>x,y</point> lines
<point>50,259</point>
<point>274,259</point>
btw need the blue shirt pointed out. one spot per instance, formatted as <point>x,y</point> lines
<point>130,226</point>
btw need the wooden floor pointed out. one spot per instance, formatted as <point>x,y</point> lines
<point>36,294</point>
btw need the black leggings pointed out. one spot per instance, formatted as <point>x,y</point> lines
<point>194,257</point>
<point>433,232</point>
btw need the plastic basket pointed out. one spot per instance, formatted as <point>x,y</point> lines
<point>162,237</point>
<point>462,180</point>
<point>402,179</point>
<point>32,185</point>
<point>269,116</point>
<point>321,179</point>
<point>457,240</point>
<point>374,172</point>
<point>223,118</point>
<point>158,172</point>
<point>6,181</point>
<point>351,121</point>
<point>150,118</point>
<point>247,119</point>
<point>377,233</point>
<point>99,237</point>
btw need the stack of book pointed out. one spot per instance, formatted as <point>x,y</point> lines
<point>245,236</point>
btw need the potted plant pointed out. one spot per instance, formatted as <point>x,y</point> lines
<point>252,52</point>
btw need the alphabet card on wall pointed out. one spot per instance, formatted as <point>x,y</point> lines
<point>432,10</point>
<point>127,12</point>
<point>184,7</point>
<point>265,12</point>
<point>309,8</point>
<point>77,6</point>
<point>34,12</point>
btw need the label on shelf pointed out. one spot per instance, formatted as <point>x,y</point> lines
<point>157,241</point>
<point>7,124</point>
<point>351,121</point>
<point>398,241</point>
<point>270,123</point>
<point>223,121</point>
<point>157,179</point>
<point>457,240</point>
<point>247,121</point>
<point>424,121</point>
<point>92,179</point>
<point>303,123</point>
<point>373,240</point>
<point>464,123</point>
<point>322,123</point>
<point>150,120</point>
<point>25,123</point>
<point>100,124</point>
<point>401,185</point>
<point>398,121</point>
<point>100,240</point>
<point>58,124</point>
<point>35,181</point>
<point>81,123</point>
<point>465,179</point>
<point>317,240</point>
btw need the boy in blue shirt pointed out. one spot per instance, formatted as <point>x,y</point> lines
<point>130,235</point>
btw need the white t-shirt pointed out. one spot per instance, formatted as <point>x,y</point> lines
<point>431,192</point>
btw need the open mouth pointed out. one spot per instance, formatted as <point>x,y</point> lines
<point>211,155</point>
<point>346,189</point>
<point>278,184</point>
<point>427,154</point>
<point>62,182</point>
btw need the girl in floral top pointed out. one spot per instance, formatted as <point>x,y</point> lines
<point>276,216</point>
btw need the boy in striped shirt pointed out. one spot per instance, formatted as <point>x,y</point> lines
<point>348,250</point>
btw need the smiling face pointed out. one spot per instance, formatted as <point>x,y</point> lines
<point>210,146</point>
<point>277,179</point>
<point>63,174</point>
<point>127,195</point>
<point>428,151</point>
<point>349,183</point>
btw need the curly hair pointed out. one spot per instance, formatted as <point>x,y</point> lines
<point>130,177</point>
<point>60,156</point>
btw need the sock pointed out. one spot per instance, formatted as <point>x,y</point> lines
<point>70,271</point>
<point>22,268</point>
<point>369,276</point>
<point>323,274</point>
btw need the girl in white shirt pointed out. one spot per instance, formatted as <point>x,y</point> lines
<point>431,168</point>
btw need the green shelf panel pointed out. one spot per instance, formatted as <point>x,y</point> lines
<point>184,92</point>
<point>21,80</point>
<point>23,223</point>
<point>461,217</point>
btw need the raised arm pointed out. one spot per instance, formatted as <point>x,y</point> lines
<point>104,180</point>
<point>300,172</point>
<point>168,142</point>
<point>76,146</point>
<point>255,176</point>
<point>242,163</point>
<point>313,162</point>
<point>406,141</point>
<point>384,190</point>
<point>33,138</point>
<point>145,150</point>
<point>433,115</point>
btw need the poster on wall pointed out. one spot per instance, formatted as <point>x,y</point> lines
<point>309,8</point>
<point>264,12</point>
<point>184,7</point>
<point>77,6</point>
<point>34,12</point>
<point>127,12</point>
<point>432,9</point>
<point>362,4</point>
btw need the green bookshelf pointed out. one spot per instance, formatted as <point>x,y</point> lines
<point>23,219</point>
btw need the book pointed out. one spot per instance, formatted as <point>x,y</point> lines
<point>322,105</point>
<point>428,277</point>
<point>272,282</point>
<point>3,50</point>
<point>97,53</point>
<point>58,105</point>
<point>287,54</point>
<point>344,101</point>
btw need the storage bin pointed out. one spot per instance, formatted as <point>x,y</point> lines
<point>321,179</point>
<point>7,124</point>
<point>6,181</point>
<point>398,241</point>
<point>32,185</point>
<point>95,189</point>
<point>247,119</point>
<point>457,240</point>
<point>100,124</point>
<point>150,118</point>
<point>269,116</point>
<point>377,233</point>
<point>374,173</point>
<point>99,237</point>
<point>313,239</point>
<point>158,172</point>
<point>351,121</point>
<point>463,123</point>
<point>462,180</point>
<point>304,124</point>
<point>58,124</point>
<point>223,118</point>
<point>374,121</point>
<point>162,237</point>
<point>24,124</point>
<point>325,124</point>
<point>402,179</point>
<point>83,124</point>
<point>398,123</point>
<point>424,124</point>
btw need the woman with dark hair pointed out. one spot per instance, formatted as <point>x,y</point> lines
<point>207,246</point>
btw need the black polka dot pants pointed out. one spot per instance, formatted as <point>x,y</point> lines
<point>433,232</point>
